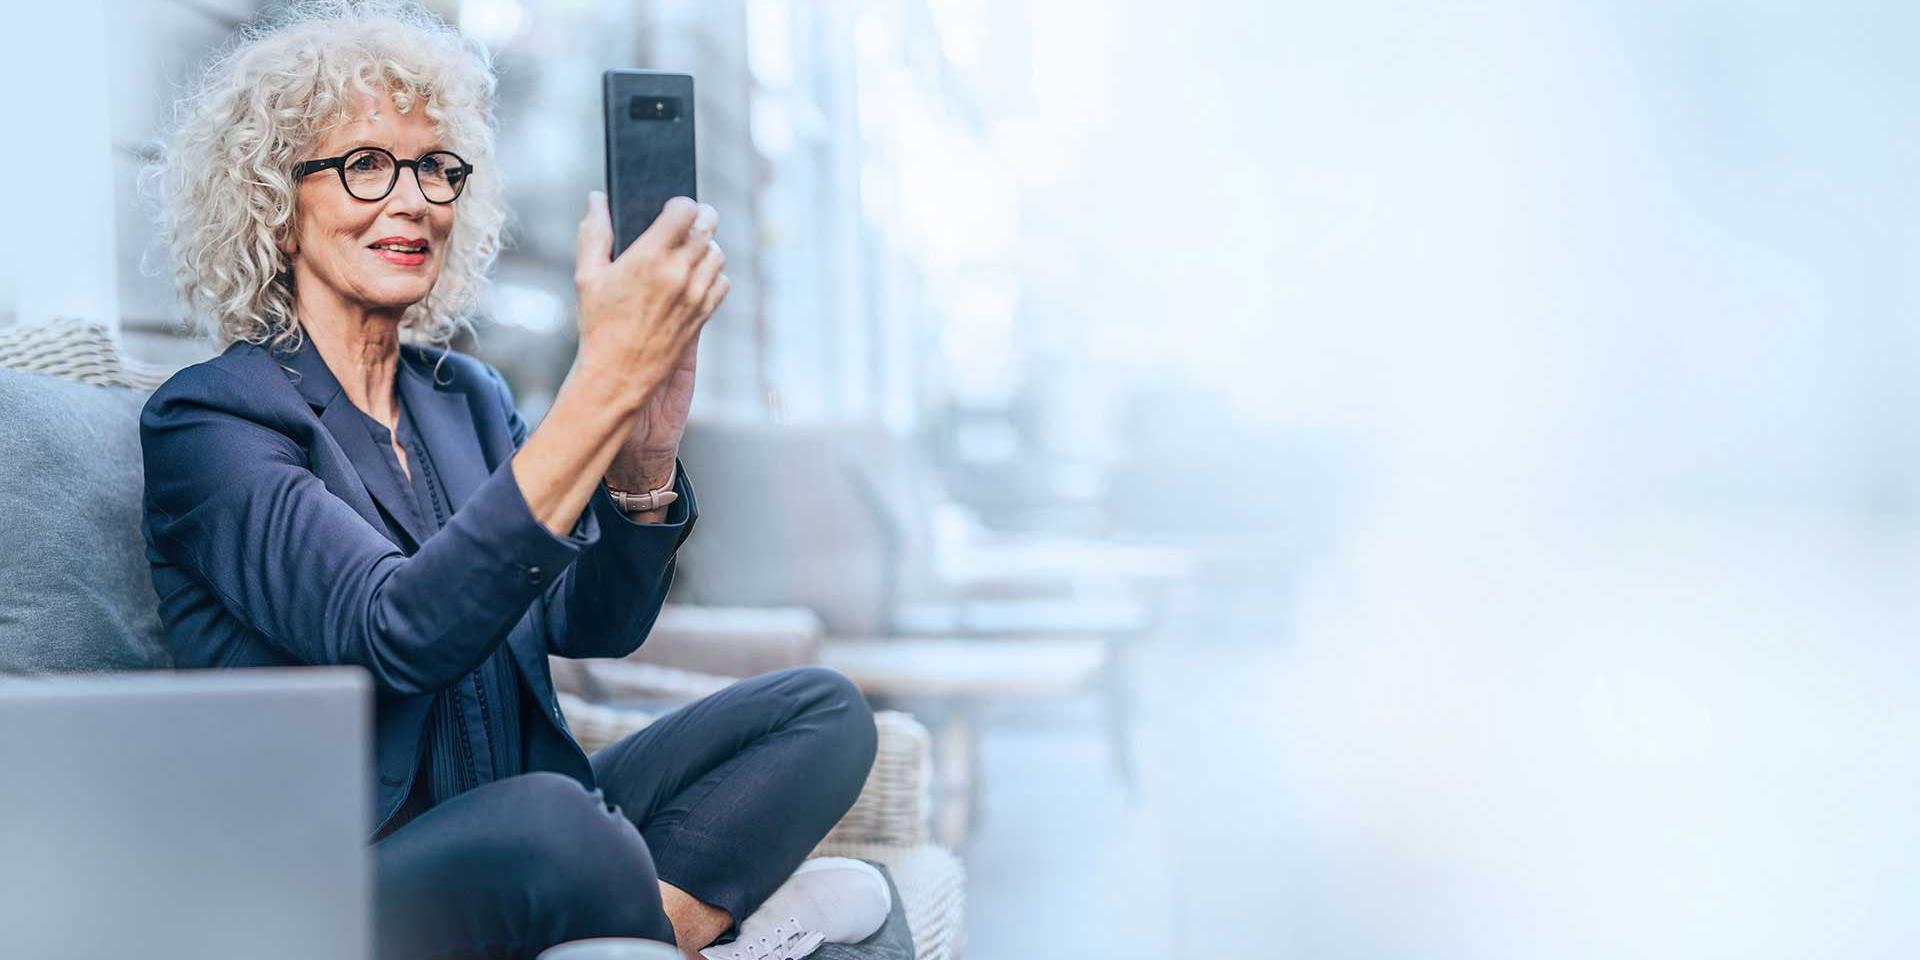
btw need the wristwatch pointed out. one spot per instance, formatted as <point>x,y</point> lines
<point>651,500</point>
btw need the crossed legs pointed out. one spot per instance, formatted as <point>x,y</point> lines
<point>699,817</point>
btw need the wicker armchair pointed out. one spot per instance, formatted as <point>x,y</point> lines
<point>888,822</point>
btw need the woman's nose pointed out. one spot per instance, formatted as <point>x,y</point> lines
<point>407,194</point>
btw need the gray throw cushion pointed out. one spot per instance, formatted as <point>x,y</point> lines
<point>76,593</point>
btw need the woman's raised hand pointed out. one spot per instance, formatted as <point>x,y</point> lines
<point>641,314</point>
<point>631,383</point>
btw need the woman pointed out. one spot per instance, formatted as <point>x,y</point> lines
<point>323,493</point>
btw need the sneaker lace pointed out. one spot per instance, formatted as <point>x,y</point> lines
<point>777,945</point>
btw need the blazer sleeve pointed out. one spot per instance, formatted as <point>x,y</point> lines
<point>229,496</point>
<point>605,603</point>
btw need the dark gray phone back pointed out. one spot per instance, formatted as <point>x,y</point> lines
<point>649,121</point>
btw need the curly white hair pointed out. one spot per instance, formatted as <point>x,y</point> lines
<point>225,187</point>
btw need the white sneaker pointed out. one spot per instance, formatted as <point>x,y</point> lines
<point>827,900</point>
<point>783,942</point>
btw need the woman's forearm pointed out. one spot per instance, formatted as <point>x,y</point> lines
<point>640,316</point>
<point>564,458</point>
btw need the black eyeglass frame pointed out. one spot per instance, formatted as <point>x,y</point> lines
<point>339,165</point>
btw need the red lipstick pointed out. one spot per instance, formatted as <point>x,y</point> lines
<point>413,250</point>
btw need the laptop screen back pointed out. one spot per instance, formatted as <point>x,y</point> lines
<point>185,815</point>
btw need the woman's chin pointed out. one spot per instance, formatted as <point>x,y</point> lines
<point>399,295</point>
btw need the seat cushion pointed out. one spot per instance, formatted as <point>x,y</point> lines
<point>77,594</point>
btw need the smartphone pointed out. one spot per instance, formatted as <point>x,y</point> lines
<point>649,117</point>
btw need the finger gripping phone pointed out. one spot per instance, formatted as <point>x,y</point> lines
<point>649,120</point>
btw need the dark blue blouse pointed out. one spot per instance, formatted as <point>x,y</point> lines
<point>473,729</point>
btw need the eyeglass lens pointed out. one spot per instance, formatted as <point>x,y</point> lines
<point>370,174</point>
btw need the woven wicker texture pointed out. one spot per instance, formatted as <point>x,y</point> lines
<point>77,350</point>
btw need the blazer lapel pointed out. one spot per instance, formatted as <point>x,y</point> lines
<point>459,453</point>
<point>349,429</point>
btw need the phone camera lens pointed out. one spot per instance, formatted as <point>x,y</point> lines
<point>654,108</point>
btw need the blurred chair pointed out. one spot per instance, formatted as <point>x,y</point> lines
<point>787,529</point>
<point>856,509</point>
<point>957,577</point>
<point>951,553</point>
<point>953,575</point>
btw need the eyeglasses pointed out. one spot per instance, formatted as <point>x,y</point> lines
<point>369,173</point>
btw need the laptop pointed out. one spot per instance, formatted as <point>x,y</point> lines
<point>184,815</point>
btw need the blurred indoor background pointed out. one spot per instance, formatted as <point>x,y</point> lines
<point>1401,479</point>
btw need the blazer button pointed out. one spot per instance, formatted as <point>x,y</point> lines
<point>534,574</point>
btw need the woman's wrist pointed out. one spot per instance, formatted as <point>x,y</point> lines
<point>558,466</point>
<point>637,471</point>
<point>623,388</point>
<point>645,502</point>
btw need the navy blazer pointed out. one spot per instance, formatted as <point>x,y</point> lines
<point>264,528</point>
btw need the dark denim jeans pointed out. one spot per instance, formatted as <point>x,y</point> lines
<point>722,798</point>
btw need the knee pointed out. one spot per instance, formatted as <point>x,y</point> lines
<point>845,718</point>
<point>583,865</point>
